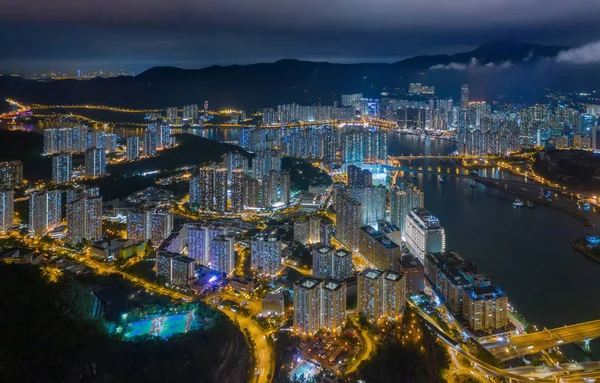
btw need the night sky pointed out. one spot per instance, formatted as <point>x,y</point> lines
<point>66,35</point>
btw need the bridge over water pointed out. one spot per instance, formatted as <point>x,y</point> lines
<point>517,346</point>
<point>478,178</point>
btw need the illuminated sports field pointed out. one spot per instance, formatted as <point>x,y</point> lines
<point>304,369</point>
<point>162,326</point>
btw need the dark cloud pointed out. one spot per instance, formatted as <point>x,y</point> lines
<point>135,34</point>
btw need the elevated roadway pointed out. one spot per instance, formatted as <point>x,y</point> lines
<point>525,344</point>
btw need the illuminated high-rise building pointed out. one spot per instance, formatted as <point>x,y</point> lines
<point>398,207</point>
<point>276,189</point>
<point>11,173</point>
<point>199,240</point>
<point>381,294</point>
<point>163,137</point>
<point>424,233</point>
<point>464,97</point>
<point>50,141</point>
<point>348,212</point>
<point>233,161</point>
<point>314,229</point>
<point>341,264</point>
<point>111,142</point>
<point>161,225</point>
<point>333,305</point>
<point>222,254</point>
<point>138,224</point>
<point>307,305</point>
<point>251,192</point>
<point>133,148</point>
<point>394,294</point>
<point>174,269</point>
<point>95,163</point>
<point>301,230</point>
<point>7,209</point>
<point>45,211</point>
<point>150,140</point>
<point>172,115</point>
<point>97,139</point>
<point>220,190</point>
<point>190,113</point>
<point>62,168</point>
<point>485,308</point>
<point>237,190</point>
<point>373,203</point>
<point>322,259</point>
<point>266,254</point>
<point>266,161</point>
<point>84,216</point>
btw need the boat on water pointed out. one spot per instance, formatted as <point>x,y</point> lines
<point>442,179</point>
<point>518,203</point>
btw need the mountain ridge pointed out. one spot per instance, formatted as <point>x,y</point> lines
<point>307,82</point>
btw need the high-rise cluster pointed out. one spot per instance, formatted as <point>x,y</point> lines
<point>381,294</point>
<point>319,305</point>
<point>424,233</point>
<point>265,253</point>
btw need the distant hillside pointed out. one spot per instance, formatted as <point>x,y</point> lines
<point>286,81</point>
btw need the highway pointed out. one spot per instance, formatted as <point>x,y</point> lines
<point>520,345</point>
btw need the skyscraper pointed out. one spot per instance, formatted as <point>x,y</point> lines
<point>333,304</point>
<point>138,224</point>
<point>485,308</point>
<point>237,190</point>
<point>348,213</point>
<point>464,97</point>
<point>44,211</point>
<point>222,254</point>
<point>314,230</point>
<point>150,140</point>
<point>62,168</point>
<point>161,225</point>
<point>95,163</point>
<point>220,190</point>
<point>266,254</point>
<point>424,233</point>
<point>7,209</point>
<point>341,264</point>
<point>322,259</point>
<point>381,294</point>
<point>307,305</point>
<point>133,148</point>
<point>398,207</point>
<point>233,161</point>
<point>199,239</point>
<point>373,203</point>
<point>301,230</point>
<point>11,173</point>
<point>84,216</point>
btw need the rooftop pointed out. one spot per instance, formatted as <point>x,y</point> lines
<point>372,274</point>
<point>333,285</point>
<point>487,292</point>
<point>309,283</point>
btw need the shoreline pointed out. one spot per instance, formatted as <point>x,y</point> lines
<point>540,201</point>
<point>579,245</point>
